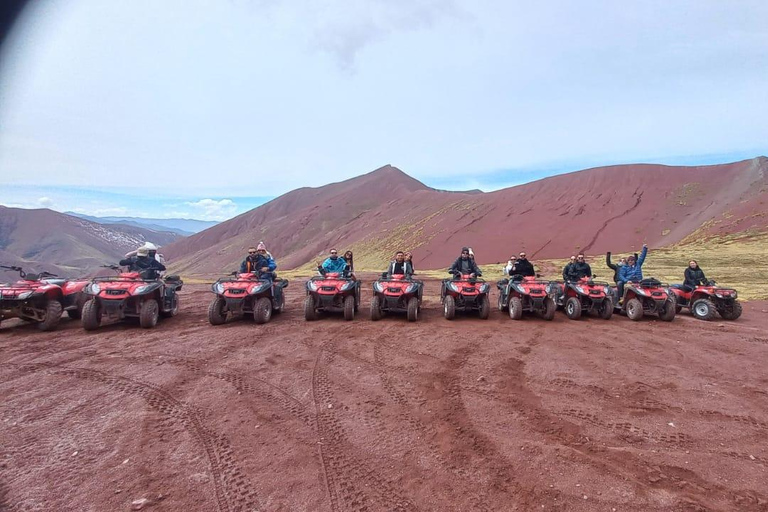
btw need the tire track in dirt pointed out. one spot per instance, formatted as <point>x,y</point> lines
<point>232,489</point>
<point>351,485</point>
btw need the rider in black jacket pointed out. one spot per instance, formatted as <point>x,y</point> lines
<point>149,268</point>
<point>465,265</point>
<point>578,269</point>
<point>694,276</point>
<point>523,267</point>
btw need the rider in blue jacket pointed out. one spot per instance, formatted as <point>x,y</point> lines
<point>632,271</point>
<point>333,263</point>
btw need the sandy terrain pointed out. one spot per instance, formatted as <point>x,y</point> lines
<point>355,416</point>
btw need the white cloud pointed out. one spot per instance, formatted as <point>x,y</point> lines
<point>211,209</point>
<point>45,202</point>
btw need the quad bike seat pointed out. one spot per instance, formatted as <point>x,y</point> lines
<point>172,278</point>
<point>57,281</point>
<point>650,282</point>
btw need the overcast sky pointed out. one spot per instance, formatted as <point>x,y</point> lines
<point>204,108</point>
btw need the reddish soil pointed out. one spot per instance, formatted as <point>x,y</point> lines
<point>433,415</point>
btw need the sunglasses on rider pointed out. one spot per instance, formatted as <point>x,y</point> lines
<point>251,252</point>
<point>334,252</point>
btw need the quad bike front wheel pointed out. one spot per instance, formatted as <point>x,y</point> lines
<point>349,308</point>
<point>634,309</point>
<point>91,317</point>
<point>515,308</point>
<point>606,309</point>
<point>703,309</point>
<point>262,310</point>
<point>375,308</point>
<point>413,309</point>
<point>310,313</point>
<point>149,313</point>
<point>485,308</point>
<point>667,312</point>
<point>52,316</point>
<point>549,309</point>
<point>449,307</point>
<point>217,311</point>
<point>730,311</point>
<point>573,308</point>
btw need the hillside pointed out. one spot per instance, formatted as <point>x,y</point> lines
<point>595,210</point>
<point>47,240</point>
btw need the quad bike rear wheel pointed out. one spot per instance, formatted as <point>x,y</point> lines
<point>515,308</point>
<point>667,312</point>
<point>573,308</point>
<point>549,309</point>
<point>413,309</point>
<point>449,307</point>
<point>52,316</point>
<point>262,310</point>
<point>310,313</point>
<point>91,317</point>
<point>77,313</point>
<point>485,308</point>
<point>174,308</point>
<point>217,311</point>
<point>634,309</point>
<point>149,313</point>
<point>349,308</point>
<point>606,309</point>
<point>730,311</point>
<point>375,308</point>
<point>703,309</point>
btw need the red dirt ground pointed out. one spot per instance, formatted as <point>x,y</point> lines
<point>355,416</point>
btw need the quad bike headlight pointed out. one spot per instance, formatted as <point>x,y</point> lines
<point>607,290</point>
<point>311,286</point>
<point>519,288</point>
<point>94,289</point>
<point>453,287</point>
<point>580,290</point>
<point>484,288</point>
<point>378,287</point>
<point>218,288</point>
<point>411,288</point>
<point>347,286</point>
<point>142,289</point>
<point>25,295</point>
<point>258,288</point>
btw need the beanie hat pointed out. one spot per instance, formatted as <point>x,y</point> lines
<point>261,247</point>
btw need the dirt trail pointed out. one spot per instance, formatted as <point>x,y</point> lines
<point>362,416</point>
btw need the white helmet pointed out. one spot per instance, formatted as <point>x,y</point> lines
<point>150,246</point>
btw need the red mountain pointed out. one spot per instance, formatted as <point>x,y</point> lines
<point>47,240</point>
<point>595,210</point>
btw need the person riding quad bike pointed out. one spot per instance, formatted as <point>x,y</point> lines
<point>704,298</point>
<point>523,267</point>
<point>397,291</point>
<point>577,269</point>
<point>149,268</point>
<point>335,289</point>
<point>616,267</point>
<point>464,291</point>
<point>631,272</point>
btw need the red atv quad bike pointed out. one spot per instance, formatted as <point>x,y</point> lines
<point>41,298</point>
<point>396,293</point>
<point>705,301</point>
<point>249,293</point>
<point>584,296</point>
<point>649,296</point>
<point>333,291</point>
<point>465,293</point>
<point>518,294</point>
<point>130,295</point>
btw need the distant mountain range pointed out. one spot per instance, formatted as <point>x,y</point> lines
<point>184,227</point>
<point>68,246</point>
<point>615,208</point>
